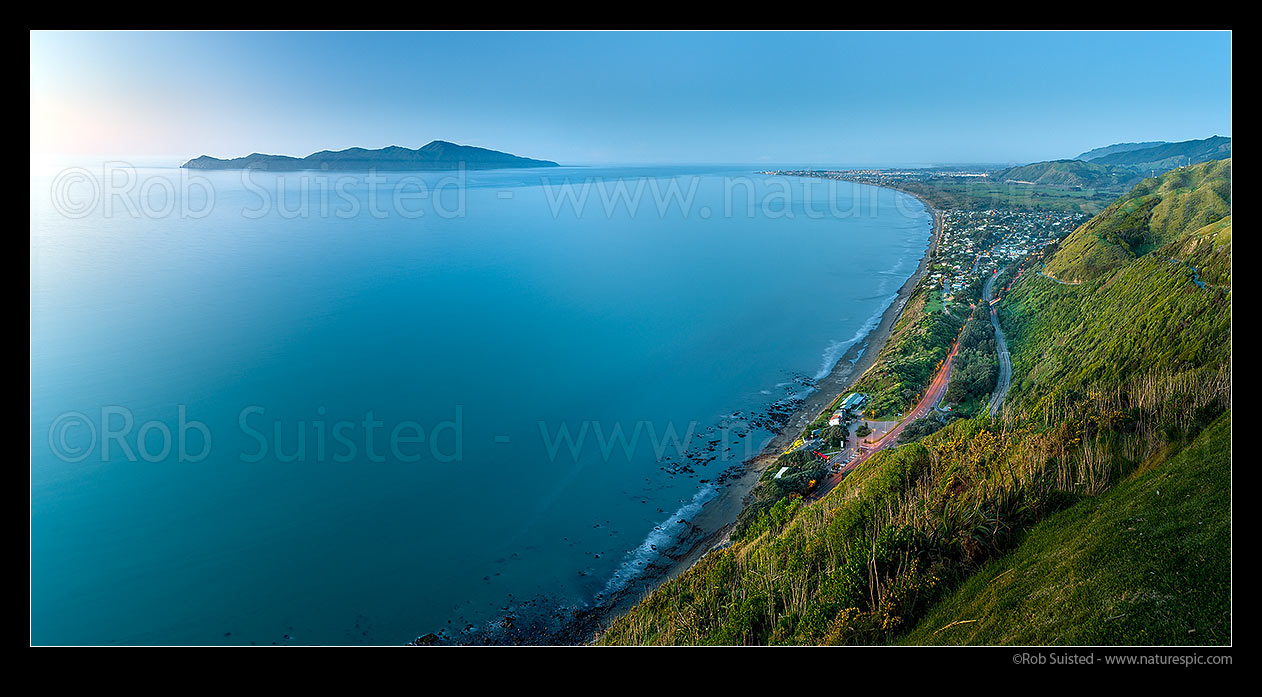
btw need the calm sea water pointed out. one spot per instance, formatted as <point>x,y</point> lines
<point>288,416</point>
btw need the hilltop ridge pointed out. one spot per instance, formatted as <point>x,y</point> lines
<point>1169,155</point>
<point>1118,147</point>
<point>1116,167</point>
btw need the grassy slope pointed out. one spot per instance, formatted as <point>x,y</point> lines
<point>1209,251</point>
<point>1064,339</point>
<point>1133,315</point>
<point>1147,562</point>
<point>1152,215</point>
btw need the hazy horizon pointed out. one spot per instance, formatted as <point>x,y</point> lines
<point>860,99</point>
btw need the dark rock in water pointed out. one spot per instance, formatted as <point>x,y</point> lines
<point>426,640</point>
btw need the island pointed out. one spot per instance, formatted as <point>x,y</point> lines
<point>437,155</point>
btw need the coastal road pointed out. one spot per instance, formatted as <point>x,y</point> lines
<point>933,395</point>
<point>1005,358</point>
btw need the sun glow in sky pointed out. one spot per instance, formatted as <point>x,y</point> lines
<point>595,98</point>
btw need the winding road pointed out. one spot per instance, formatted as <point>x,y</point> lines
<point>1005,358</point>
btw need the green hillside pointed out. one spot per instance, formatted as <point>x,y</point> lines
<point>1150,216</point>
<point>1071,174</point>
<point>1121,389</point>
<point>1147,562</point>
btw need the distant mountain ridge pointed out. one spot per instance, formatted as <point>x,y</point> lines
<point>436,155</point>
<point>1119,166</point>
<point>1171,155</point>
<point>1118,147</point>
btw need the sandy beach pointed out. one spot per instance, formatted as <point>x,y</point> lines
<point>713,524</point>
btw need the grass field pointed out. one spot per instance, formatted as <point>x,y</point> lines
<point>982,194</point>
<point>1147,562</point>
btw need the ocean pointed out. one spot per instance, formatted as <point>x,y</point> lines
<point>336,408</point>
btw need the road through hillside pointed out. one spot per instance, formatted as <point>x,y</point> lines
<point>1005,358</point>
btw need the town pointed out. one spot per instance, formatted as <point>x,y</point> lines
<point>976,243</point>
<point>973,241</point>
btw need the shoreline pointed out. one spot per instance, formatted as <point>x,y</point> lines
<point>714,523</point>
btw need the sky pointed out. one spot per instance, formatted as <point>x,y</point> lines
<point>866,98</point>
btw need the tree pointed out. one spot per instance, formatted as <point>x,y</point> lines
<point>833,436</point>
